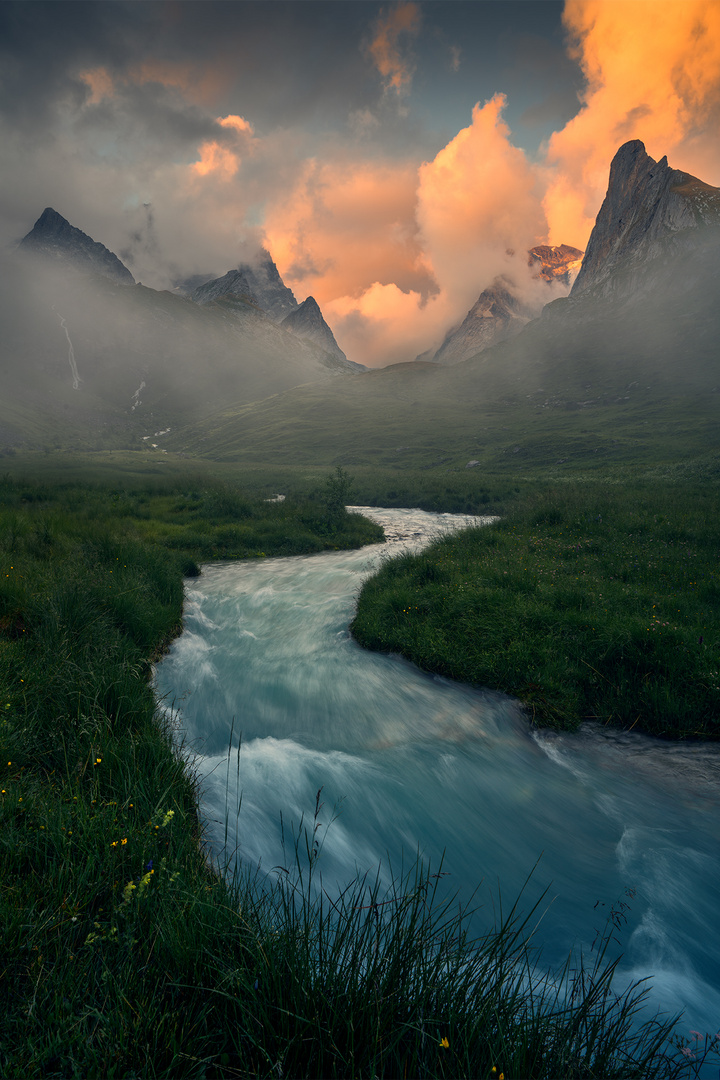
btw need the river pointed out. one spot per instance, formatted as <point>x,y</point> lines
<point>410,763</point>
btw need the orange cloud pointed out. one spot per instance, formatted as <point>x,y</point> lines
<point>345,225</point>
<point>478,198</point>
<point>220,160</point>
<point>653,73</point>
<point>400,22</point>
<point>238,123</point>
<point>395,254</point>
<point>386,325</point>
<point>201,84</point>
<point>100,83</point>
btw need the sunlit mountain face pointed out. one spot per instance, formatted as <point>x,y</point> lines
<point>387,157</point>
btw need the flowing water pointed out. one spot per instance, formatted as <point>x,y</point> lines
<point>411,763</point>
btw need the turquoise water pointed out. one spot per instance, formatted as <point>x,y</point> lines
<point>409,763</point>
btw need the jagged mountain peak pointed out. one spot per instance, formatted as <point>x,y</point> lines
<point>650,210</point>
<point>234,283</point>
<point>258,281</point>
<point>555,262</point>
<point>500,310</point>
<point>307,321</point>
<point>54,237</point>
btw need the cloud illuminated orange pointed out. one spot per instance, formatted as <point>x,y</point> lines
<point>401,22</point>
<point>344,225</point>
<point>394,253</point>
<point>221,160</point>
<point>478,198</point>
<point>100,83</point>
<point>653,73</point>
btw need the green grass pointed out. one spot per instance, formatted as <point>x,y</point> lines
<point>123,954</point>
<point>586,602</point>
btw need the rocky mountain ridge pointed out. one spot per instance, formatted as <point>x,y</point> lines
<point>501,310</point>
<point>650,212</point>
<point>252,285</point>
<point>53,237</point>
<point>89,358</point>
<point>258,283</point>
<point>307,322</point>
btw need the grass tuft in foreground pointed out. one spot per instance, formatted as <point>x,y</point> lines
<point>587,602</point>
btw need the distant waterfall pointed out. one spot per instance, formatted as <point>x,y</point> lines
<point>71,353</point>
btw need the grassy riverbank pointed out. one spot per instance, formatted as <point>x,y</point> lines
<point>122,954</point>
<point>593,602</point>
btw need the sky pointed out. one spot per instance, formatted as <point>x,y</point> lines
<point>392,157</point>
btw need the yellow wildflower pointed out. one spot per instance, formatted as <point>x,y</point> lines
<point>444,1042</point>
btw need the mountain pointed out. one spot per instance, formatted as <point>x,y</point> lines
<point>624,370</point>
<point>496,314</point>
<point>307,322</point>
<point>234,283</point>
<point>555,263</point>
<point>650,212</point>
<point>53,237</point>
<point>501,311</point>
<point>88,362</point>
<point>258,283</point>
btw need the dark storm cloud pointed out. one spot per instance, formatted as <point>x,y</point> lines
<point>44,45</point>
<point>153,118</point>
<point>547,79</point>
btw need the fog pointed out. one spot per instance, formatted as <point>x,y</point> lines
<point>76,349</point>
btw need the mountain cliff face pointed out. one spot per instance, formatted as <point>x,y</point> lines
<point>258,282</point>
<point>650,212</point>
<point>499,312</point>
<point>55,238</point>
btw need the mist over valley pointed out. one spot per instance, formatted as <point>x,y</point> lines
<point>623,369</point>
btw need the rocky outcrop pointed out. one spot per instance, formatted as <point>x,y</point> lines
<point>496,314</point>
<point>650,212</point>
<point>500,311</point>
<point>258,282</point>
<point>560,263</point>
<point>234,283</point>
<point>258,286</point>
<point>53,237</point>
<point>307,322</point>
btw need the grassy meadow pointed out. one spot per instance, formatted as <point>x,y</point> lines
<point>588,602</point>
<point>125,954</point>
